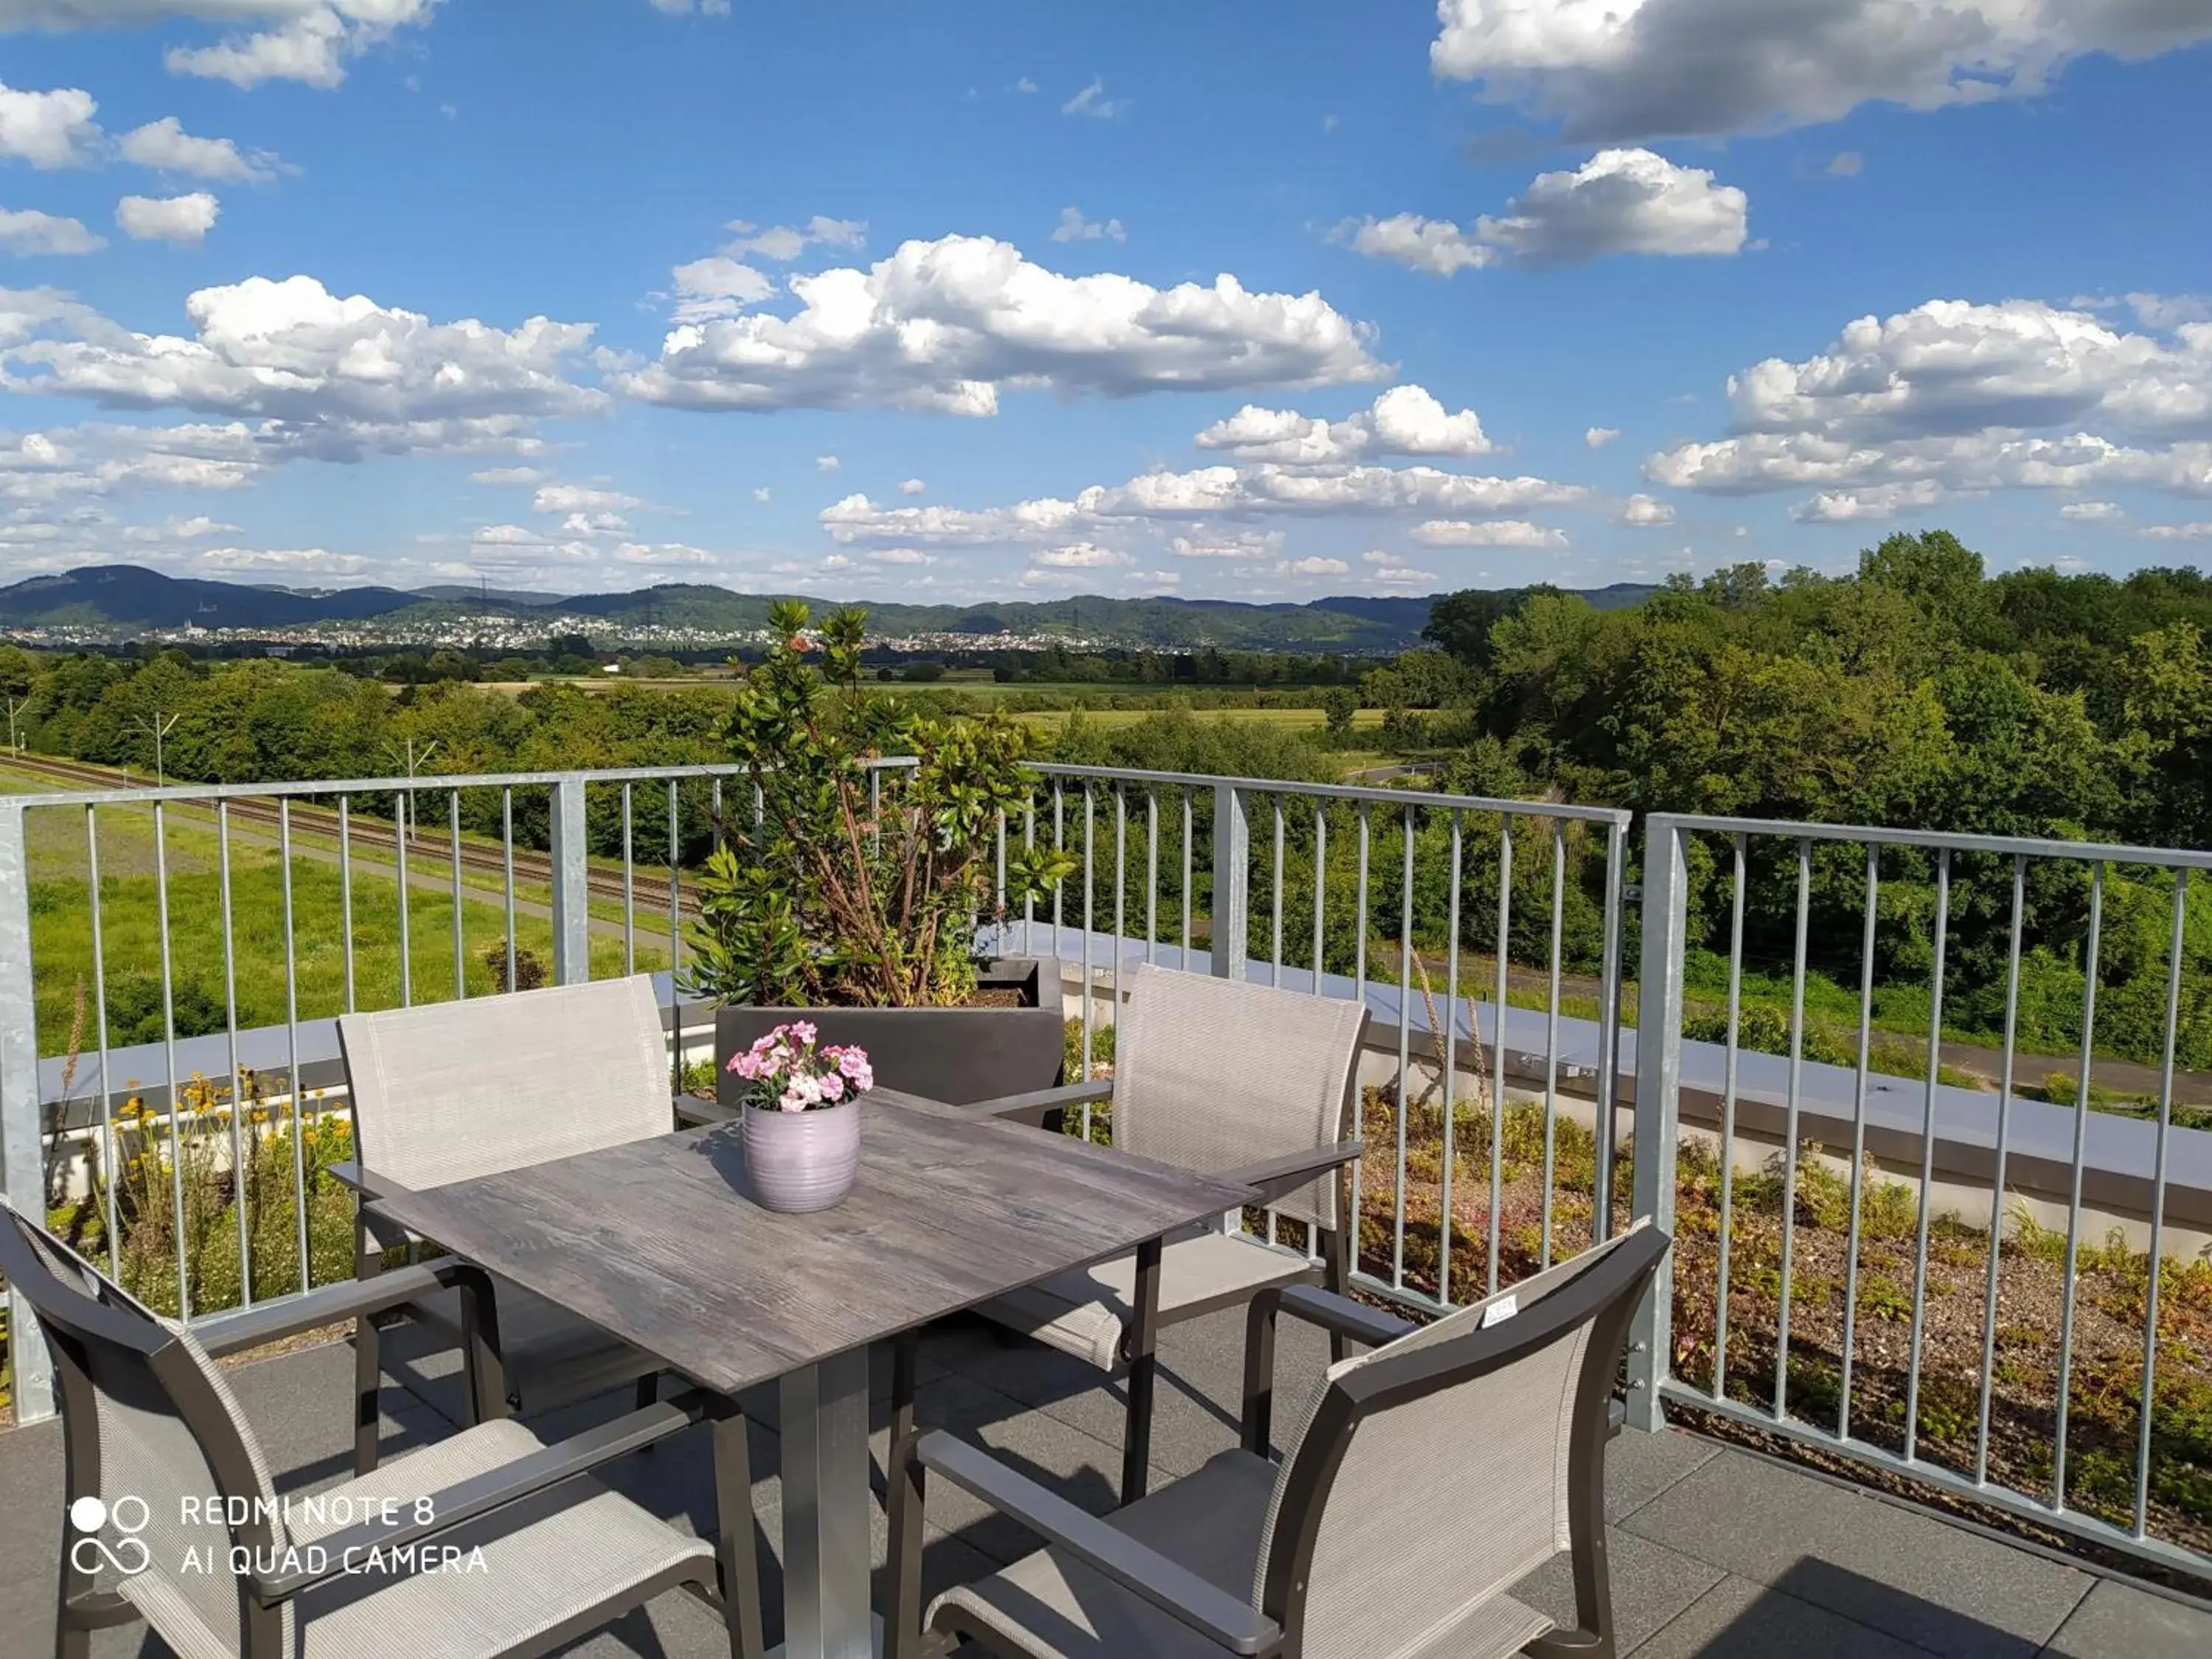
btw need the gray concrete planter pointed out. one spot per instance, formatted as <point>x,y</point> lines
<point>958,1056</point>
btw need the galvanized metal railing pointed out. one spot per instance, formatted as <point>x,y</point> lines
<point>1934,1428</point>
<point>1258,905</point>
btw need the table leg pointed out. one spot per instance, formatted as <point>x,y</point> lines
<point>827,1505</point>
<point>1144,1363</point>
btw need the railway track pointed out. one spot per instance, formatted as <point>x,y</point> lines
<point>646,894</point>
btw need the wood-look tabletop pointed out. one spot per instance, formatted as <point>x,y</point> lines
<point>659,1242</point>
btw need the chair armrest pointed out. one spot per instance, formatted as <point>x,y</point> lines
<point>494,1489</point>
<point>331,1304</point>
<point>1034,1106</point>
<point>351,1173</point>
<point>1339,1315</point>
<point>1213,1612</point>
<point>1273,1176</point>
<point>691,1112</point>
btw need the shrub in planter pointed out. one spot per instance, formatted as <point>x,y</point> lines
<point>858,885</point>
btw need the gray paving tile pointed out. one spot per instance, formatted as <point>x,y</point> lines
<point>2118,1622</point>
<point>1739,1620</point>
<point>1639,1466</point>
<point>1912,1576</point>
<point>1652,1585</point>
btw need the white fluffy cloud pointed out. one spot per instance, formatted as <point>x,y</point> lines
<point>508,475</point>
<point>784,243</point>
<point>1203,494</point>
<point>29,231</point>
<point>1077,555</point>
<point>1407,420</point>
<point>1313,566</point>
<point>1075,227</point>
<point>1644,512</point>
<point>1952,396</point>
<point>298,561</point>
<point>337,377</point>
<point>1247,544</point>
<point>1875,502</point>
<point>1092,101</point>
<point>717,286</point>
<point>2091,511</point>
<point>165,145</point>
<point>1388,570</point>
<point>946,326</point>
<point>168,218</point>
<point>912,487</point>
<point>1497,532</point>
<point>578,498</point>
<point>309,40</point>
<point>1620,201</point>
<point>2198,532</point>
<point>1613,70</point>
<point>48,129</point>
<point>1597,437</point>
<point>73,464</point>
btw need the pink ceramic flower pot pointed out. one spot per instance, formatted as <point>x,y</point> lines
<point>798,1161</point>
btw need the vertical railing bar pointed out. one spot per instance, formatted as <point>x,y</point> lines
<point>1275,953</point>
<point>1090,824</point>
<point>1497,1030</point>
<point>1928,1155</point>
<point>1189,830</point>
<point>345,890</point>
<point>1448,1050</point>
<point>2089,970</point>
<point>1997,1172</point>
<point>399,804</point>
<point>507,870</point>
<point>630,887</point>
<point>461,943</point>
<point>1608,1030</point>
<point>1058,887</point>
<point>998,926</point>
<point>100,1004</point>
<point>1151,869</point>
<point>170,1049</point>
<point>1321,891</point>
<point>1551,1027</point>
<point>238,1124</point>
<point>1404,1053</point>
<point>1730,1069</point>
<point>1028,897</point>
<point>1120,887</point>
<point>1359,995</point>
<point>1858,1139</point>
<point>292,1046</point>
<point>1789,1150</point>
<point>676,930</point>
<point>2175,948</point>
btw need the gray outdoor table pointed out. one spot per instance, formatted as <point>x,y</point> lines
<point>656,1241</point>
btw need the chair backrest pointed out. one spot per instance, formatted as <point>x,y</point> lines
<point>1210,1075</point>
<point>454,1090</point>
<point>1501,1426</point>
<point>152,1430</point>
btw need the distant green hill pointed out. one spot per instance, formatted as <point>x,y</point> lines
<point>126,599</point>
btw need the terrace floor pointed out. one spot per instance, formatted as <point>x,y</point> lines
<point>1715,1551</point>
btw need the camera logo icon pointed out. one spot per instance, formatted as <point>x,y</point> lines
<point>127,1555</point>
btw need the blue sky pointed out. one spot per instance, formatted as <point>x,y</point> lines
<point>1029,299</point>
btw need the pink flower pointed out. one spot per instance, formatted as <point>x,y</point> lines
<point>747,1066</point>
<point>803,1029</point>
<point>833,1087</point>
<point>853,1062</point>
<point>792,1101</point>
<point>864,1079</point>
